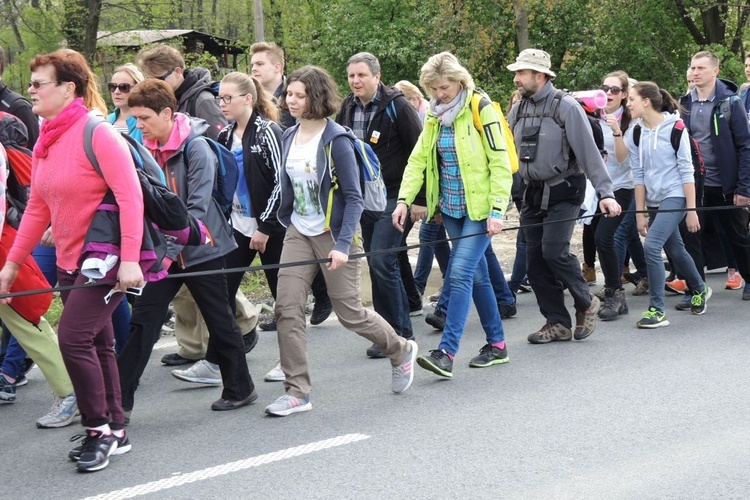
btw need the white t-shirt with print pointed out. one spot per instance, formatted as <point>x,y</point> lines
<point>240,221</point>
<point>308,215</point>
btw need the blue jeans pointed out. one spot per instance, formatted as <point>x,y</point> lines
<point>503,294</point>
<point>627,240</point>
<point>388,294</point>
<point>468,278</point>
<point>429,232</point>
<point>663,232</point>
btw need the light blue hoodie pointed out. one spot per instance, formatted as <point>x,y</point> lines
<point>656,165</point>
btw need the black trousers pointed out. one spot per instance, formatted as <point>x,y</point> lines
<point>735,224</point>
<point>549,263</point>
<point>605,230</point>
<point>225,340</point>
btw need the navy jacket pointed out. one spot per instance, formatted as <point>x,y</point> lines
<point>730,139</point>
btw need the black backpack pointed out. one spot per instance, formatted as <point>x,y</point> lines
<point>695,154</point>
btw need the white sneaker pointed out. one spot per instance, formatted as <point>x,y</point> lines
<point>286,405</point>
<point>201,372</point>
<point>63,412</point>
<point>275,375</point>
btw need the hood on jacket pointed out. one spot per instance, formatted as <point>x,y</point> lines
<point>196,79</point>
<point>725,88</point>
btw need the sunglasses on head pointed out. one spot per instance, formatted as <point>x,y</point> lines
<point>613,90</point>
<point>123,87</point>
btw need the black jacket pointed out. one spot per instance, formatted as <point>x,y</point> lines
<point>15,104</point>
<point>399,127</point>
<point>261,158</point>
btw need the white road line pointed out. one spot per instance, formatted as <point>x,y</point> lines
<point>220,470</point>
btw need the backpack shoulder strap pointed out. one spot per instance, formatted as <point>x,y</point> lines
<point>676,136</point>
<point>637,134</point>
<point>554,110</point>
<point>334,186</point>
<point>477,104</point>
<point>88,140</point>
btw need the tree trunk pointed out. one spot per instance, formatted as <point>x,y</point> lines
<point>74,25</point>
<point>714,26</point>
<point>92,26</point>
<point>260,34</point>
<point>13,18</point>
<point>522,25</point>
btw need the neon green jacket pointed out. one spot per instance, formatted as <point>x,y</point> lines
<point>482,159</point>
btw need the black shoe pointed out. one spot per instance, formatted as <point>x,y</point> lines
<point>507,311</point>
<point>321,311</point>
<point>374,352</point>
<point>250,340</point>
<point>225,404</point>
<point>268,327</point>
<point>489,355</point>
<point>95,451</point>
<point>177,360</point>
<point>438,363</point>
<point>123,446</point>
<point>436,320</point>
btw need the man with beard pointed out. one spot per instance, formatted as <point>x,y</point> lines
<point>556,152</point>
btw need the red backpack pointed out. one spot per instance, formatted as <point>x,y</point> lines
<point>14,137</point>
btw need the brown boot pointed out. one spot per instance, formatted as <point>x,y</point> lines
<point>550,332</point>
<point>589,274</point>
<point>586,320</point>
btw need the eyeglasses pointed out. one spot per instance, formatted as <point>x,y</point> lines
<point>227,98</point>
<point>165,75</point>
<point>123,87</point>
<point>613,90</point>
<point>39,83</point>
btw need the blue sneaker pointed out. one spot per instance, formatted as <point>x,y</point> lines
<point>746,292</point>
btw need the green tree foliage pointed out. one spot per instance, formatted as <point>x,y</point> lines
<point>650,39</point>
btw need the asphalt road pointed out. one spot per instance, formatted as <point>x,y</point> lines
<point>627,413</point>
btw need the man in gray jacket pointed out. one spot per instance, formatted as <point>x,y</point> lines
<point>556,152</point>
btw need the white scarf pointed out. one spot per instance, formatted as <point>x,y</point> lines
<point>447,112</point>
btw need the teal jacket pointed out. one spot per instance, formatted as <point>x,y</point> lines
<point>133,132</point>
<point>482,159</point>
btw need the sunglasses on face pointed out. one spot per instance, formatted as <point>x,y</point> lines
<point>39,83</point>
<point>122,87</point>
<point>227,99</point>
<point>165,75</point>
<point>612,90</point>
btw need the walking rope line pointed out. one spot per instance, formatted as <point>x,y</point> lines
<point>361,255</point>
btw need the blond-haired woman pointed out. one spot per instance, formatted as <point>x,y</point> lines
<point>255,139</point>
<point>468,179</point>
<point>123,79</point>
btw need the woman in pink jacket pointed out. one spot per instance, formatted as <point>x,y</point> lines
<point>65,191</point>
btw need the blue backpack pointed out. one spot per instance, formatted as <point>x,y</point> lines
<point>227,174</point>
<point>371,178</point>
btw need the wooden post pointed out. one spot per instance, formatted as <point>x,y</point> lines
<point>259,29</point>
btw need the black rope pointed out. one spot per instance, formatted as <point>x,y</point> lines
<point>359,255</point>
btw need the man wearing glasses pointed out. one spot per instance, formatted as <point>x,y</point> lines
<point>190,85</point>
